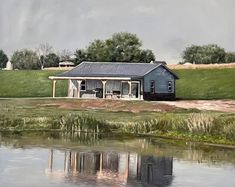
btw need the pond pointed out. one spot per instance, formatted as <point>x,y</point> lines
<point>55,159</point>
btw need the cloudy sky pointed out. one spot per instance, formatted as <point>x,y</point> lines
<point>165,26</point>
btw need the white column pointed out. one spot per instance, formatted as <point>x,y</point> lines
<point>129,82</point>
<point>104,88</point>
<point>139,96</point>
<point>79,87</point>
<point>69,85</point>
<point>53,88</point>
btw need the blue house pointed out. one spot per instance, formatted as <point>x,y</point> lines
<point>114,80</point>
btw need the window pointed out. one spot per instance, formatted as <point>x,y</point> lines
<point>152,87</point>
<point>169,86</point>
<point>83,85</point>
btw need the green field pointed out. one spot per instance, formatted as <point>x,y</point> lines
<point>30,83</point>
<point>206,84</point>
<point>193,84</point>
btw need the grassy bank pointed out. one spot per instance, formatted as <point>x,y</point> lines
<point>29,83</point>
<point>36,114</point>
<point>206,83</point>
<point>193,84</point>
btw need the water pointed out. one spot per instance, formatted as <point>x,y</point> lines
<point>54,159</point>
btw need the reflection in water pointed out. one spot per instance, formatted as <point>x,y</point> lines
<point>111,168</point>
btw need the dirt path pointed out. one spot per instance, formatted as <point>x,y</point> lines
<point>216,105</point>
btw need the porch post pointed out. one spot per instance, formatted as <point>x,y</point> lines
<point>53,88</point>
<point>129,82</point>
<point>79,87</point>
<point>69,85</point>
<point>104,88</point>
<point>139,96</point>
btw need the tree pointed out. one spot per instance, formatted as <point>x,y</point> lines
<point>80,56</point>
<point>146,56</point>
<point>124,47</point>
<point>3,59</point>
<point>42,51</point>
<point>51,60</point>
<point>97,51</point>
<point>64,55</point>
<point>121,47</point>
<point>25,59</point>
<point>206,54</point>
<point>230,57</point>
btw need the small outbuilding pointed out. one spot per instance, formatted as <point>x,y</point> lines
<point>114,80</point>
<point>66,64</point>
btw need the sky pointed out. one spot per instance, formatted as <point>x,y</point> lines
<point>165,26</point>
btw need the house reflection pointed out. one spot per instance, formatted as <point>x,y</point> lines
<point>111,168</point>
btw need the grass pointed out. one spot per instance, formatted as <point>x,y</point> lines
<point>206,84</point>
<point>32,114</point>
<point>29,83</point>
<point>193,84</point>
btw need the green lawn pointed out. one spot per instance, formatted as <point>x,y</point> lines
<point>206,84</point>
<point>193,84</point>
<point>30,83</point>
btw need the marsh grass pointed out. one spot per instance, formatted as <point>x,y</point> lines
<point>83,123</point>
<point>200,125</point>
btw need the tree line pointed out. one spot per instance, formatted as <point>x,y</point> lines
<point>121,47</point>
<point>207,54</point>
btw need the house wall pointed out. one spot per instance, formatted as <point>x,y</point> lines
<point>161,77</point>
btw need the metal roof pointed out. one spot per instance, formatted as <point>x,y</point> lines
<point>111,69</point>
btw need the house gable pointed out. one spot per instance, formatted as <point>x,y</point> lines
<point>161,77</point>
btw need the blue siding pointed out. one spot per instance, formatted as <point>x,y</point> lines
<point>161,76</point>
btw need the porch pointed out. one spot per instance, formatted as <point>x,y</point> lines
<point>100,87</point>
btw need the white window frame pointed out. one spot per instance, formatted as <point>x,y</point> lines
<point>169,87</point>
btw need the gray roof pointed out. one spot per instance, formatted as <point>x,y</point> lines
<point>111,69</point>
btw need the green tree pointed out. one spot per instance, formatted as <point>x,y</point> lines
<point>206,54</point>
<point>124,47</point>
<point>97,51</point>
<point>230,57</point>
<point>51,60</point>
<point>80,56</point>
<point>3,59</point>
<point>25,59</point>
<point>121,47</point>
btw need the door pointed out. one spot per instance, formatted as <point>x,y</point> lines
<point>125,88</point>
<point>135,89</point>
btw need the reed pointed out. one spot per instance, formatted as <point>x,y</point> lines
<point>200,123</point>
<point>82,123</point>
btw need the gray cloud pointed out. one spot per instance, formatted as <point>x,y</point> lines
<point>165,26</point>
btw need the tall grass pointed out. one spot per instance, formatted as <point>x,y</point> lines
<point>84,123</point>
<point>68,123</point>
<point>195,124</point>
<point>200,123</point>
